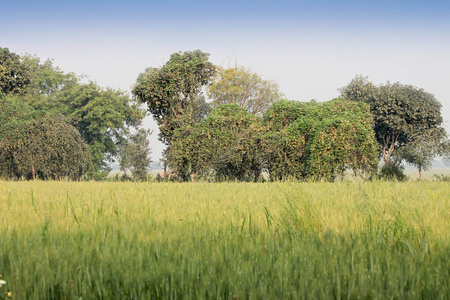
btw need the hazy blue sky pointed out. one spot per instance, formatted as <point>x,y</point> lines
<point>311,48</point>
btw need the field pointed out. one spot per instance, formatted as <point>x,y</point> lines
<point>413,174</point>
<point>347,240</point>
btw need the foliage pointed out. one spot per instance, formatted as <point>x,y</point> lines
<point>441,177</point>
<point>322,143</point>
<point>286,144</point>
<point>393,171</point>
<point>14,74</point>
<point>173,93</point>
<point>341,138</point>
<point>400,112</point>
<point>135,155</point>
<point>103,117</point>
<point>284,112</point>
<point>247,89</point>
<point>35,143</point>
<point>423,149</point>
<point>215,148</point>
<point>47,81</point>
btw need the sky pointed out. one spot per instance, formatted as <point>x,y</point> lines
<point>310,48</point>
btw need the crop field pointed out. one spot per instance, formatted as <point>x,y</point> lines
<point>105,240</point>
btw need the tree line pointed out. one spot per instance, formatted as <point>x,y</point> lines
<point>217,124</point>
<point>53,125</point>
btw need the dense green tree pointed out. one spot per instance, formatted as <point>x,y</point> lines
<point>341,138</point>
<point>102,116</point>
<point>245,88</point>
<point>400,112</point>
<point>135,155</point>
<point>286,144</point>
<point>174,92</point>
<point>34,143</point>
<point>14,74</point>
<point>321,143</point>
<point>283,113</point>
<point>216,148</point>
<point>241,156</point>
<point>47,81</point>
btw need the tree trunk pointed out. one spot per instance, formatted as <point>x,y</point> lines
<point>33,172</point>
<point>420,174</point>
<point>165,169</point>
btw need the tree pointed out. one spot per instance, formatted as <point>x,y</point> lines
<point>14,75</point>
<point>247,89</point>
<point>341,138</point>
<point>47,81</point>
<point>135,155</point>
<point>240,136</point>
<point>400,112</point>
<point>220,147</point>
<point>322,141</point>
<point>283,113</point>
<point>103,117</point>
<point>422,150</point>
<point>286,143</point>
<point>35,143</point>
<point>173,93</point>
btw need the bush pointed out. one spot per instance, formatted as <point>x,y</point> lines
<point>393,171</point>
<point>441,177</point>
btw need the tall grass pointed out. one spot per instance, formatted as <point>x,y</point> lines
<point>381,240</point>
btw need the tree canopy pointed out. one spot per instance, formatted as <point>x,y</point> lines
<point>174,92</point>
<point>135,155</point>
<point>103,117</point>
<point>424,148</point>
<point>402,115</point>
<point>14,74</point>
<point>35,143</point>
<point>245,88</point>
<point>324,141</point>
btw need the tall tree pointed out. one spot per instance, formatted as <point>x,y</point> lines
<point>245,88</point>
<point>14,74</point>
<point>47,80</point>
<point>174,92</point>
<point>102,116</point>
<point>400,112</point>
<point>135,155</point>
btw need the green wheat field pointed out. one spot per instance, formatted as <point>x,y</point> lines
<point>113,240</point>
